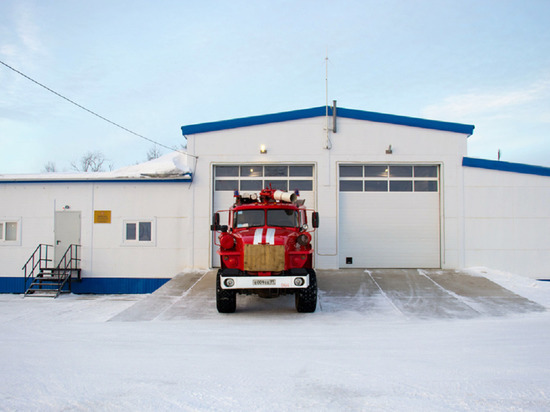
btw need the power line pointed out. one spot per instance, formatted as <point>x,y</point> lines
<point>94,113</point>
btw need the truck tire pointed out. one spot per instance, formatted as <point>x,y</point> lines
<point>226,300</point>
<point>306,299</point>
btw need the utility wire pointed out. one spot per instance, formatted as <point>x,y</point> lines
<point>94,113</point>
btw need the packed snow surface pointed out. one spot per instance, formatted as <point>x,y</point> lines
<point>174,164</point>
<point>67,354</point>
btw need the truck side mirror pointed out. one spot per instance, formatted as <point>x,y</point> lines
<point>315,219</point>
<point>215,221</point>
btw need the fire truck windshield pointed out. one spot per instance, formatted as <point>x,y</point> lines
<point>275,217</point>
<point>249,218</point>
<point>282,218</point>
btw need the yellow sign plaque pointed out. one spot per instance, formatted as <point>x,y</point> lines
<point>102,216</point>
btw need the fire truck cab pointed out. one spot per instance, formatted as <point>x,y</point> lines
<point>266,250</point>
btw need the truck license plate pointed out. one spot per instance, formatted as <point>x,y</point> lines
<point>264,282</point>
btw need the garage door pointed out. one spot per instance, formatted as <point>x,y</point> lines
<point>389,216</point>
<point>253,178</point>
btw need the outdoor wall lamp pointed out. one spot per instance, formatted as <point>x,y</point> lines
<point>389,150</point>
<point>263,149</point>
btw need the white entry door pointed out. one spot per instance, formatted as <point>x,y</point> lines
<point>67,232</point>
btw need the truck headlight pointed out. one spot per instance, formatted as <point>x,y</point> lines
<point>299,281</point>
<point>229,282</point>
<point>302,240</point>
<point>227,241</point>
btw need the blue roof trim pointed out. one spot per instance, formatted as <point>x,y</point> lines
<point>320,111</point>
<point>114,180</point>
<point>253,120</point>
<point>506,166</point>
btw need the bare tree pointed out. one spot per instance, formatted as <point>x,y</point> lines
<point>154,153</point>
<point>90,162</point>
<point>50,167</point>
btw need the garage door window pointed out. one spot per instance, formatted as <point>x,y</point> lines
<point>389,178</point>
<point>254,178</point>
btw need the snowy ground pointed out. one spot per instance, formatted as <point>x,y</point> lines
<point>66,354</point>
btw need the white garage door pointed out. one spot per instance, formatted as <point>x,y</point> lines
<point>252,178</point>
<point>389,216</point>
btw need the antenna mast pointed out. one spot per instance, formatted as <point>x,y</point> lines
<point>328,143</point>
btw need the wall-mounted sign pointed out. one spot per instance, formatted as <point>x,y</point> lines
<point>102,216</point>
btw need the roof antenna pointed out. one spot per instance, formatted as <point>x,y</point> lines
<point>328,143</point>
<point>498,156</point>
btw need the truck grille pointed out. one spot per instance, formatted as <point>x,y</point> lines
<point>264,258</point>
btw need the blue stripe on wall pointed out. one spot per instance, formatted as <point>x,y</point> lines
<point>94,285</point>
<point>506,166</point>
<point>11,285</point>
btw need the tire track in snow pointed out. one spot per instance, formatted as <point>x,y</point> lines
<point>461,299</point>
<point>368,272</point>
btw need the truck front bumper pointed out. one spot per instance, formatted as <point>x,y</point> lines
<point>264,282</point>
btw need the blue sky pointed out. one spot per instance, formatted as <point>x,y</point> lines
<point>155,66</point>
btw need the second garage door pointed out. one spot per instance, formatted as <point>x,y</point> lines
<point>389,216</point>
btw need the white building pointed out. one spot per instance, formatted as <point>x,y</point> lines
<point>392,192</point>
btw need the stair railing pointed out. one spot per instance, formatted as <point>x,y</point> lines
<point>68,263</point>
<point>38,260</point>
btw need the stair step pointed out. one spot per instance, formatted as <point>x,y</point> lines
<point>48,279</point>
<point>44,293</point>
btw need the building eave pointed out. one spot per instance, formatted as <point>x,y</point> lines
<point>38,179</point>
<point>506,166</point>
<point>321,111</point>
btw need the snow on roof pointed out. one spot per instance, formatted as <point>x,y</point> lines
<point>171,166</point>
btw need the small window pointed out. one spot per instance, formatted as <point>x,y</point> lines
<point>301,171</point>
<point>401,186</point>
<point>251,171</point>
<point>277,184</point>
<point>276,171</point>
<point>425,186</point>
<point>131,231</point>
<point>376,185</point>
<point>227,185</point>
<point>401,171</point>
<point>144,231</point>
<point>425,171</point>
<point>302,185</point>
<point>351,185</point>
<point>376,171</point>
<point>225,171</point>
<point>138,232</point>
<point>8,231</point>
<point>251,185</point>
<point>351,171</point>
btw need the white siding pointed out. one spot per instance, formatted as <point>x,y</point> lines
<point>302,142</point>
<point>104,253</point>
<point>507,221</point>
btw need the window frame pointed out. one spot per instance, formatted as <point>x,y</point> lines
<point>4,227</point>
<point>282,176</point>
<point>137,241</point>
<point>402,175</point>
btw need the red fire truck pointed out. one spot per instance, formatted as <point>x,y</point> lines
<point>266,250</point>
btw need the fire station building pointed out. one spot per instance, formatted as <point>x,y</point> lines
<point>391,191</point>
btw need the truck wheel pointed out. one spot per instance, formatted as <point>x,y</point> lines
<point>306,299</point>
<point>226,300</point>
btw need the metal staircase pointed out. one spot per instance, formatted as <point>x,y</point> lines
<point>47,280</point>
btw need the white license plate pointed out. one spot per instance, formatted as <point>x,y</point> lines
<point>264,282</point>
